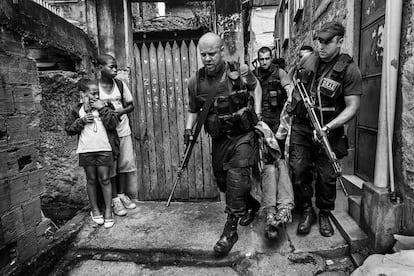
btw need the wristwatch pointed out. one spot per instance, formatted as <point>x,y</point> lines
<point>326,129</point>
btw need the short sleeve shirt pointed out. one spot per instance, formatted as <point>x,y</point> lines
<point>93,137</point>
<point>198,95</point>
<point>114,97</point>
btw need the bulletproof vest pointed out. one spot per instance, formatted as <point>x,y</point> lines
<point>231,111</point>
<point>273,93</point>
<point>326,91</point>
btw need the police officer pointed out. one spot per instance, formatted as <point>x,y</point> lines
<point>230,123</point>
<point>275,83</point>
<point>335,85</point>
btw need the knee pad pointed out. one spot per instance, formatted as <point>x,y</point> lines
<point>239,177</point>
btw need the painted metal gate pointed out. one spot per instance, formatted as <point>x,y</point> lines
<point>163,70</point>
<point>371,53</point>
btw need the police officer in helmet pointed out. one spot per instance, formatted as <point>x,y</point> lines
<point>335,85</point>
<point>230,121</point>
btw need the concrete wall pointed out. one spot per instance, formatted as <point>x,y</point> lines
<point>64,179</point>
<point>404,125</point>
<point>48,30</point>
<point>74,12</point>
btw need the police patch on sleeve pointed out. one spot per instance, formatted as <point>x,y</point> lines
<point>329,87</point>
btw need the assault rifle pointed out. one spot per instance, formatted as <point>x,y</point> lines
<point>184,162</point>
<point>317,127</point>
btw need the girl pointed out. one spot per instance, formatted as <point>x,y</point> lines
<point>98,145</point>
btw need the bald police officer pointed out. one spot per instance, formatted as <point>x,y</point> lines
<point>230,123</point>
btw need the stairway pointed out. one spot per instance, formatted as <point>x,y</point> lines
<point>347,219</point>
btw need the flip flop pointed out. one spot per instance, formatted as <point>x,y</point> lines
<point>97,219</point>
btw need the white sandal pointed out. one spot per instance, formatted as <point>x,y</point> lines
<point>99,219</point>
<point>109,223</point>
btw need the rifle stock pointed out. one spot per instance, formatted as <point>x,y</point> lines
<point>317,126</point>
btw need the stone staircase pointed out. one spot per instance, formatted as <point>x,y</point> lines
<point>347,219</point>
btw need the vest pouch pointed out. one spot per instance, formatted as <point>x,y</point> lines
<point>246,120</point>
<point>329,87</point>
<point>274,98</point>
<point>340,146</point>
<point>239,99</point>
<point>212,126</point>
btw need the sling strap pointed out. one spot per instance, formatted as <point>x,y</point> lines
<point>204,111</point>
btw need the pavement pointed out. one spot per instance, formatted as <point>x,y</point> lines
<point>157,240</point>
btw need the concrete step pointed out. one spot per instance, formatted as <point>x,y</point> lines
<point>350,230</point>
<point>354,207</point>
<point>353,184</point>
<point>358,258</point>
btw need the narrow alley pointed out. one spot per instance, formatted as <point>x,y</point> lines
<point>110,109</point>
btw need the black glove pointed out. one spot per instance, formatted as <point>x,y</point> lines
<point>188,136</point>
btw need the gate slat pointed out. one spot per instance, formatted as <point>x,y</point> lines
<point>185,73</point>
<point>172,113</point>
<point>182,189</point>
<point>165,189</point>
<point>149,139</point>
<point>155,91</point>
<point>139,112</point>
<point>192,50</point>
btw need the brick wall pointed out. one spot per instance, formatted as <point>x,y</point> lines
<point>21,179</point>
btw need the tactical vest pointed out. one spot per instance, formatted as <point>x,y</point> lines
<point>327,91</point>
<point>273,93</point>
<point>230,114</point>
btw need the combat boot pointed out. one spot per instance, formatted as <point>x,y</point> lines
<point>271,228</point>
<point>229,236</point>
<point>305,224</point>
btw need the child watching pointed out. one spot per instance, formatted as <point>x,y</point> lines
<point>98,145</point>
<point>117,92</point>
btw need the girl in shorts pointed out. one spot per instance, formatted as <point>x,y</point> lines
<point>98,145</point>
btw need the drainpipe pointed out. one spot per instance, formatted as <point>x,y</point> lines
<point>384,160</point>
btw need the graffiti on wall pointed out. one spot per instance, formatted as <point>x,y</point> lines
<point>229,28</point>
<point>377,44</point>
